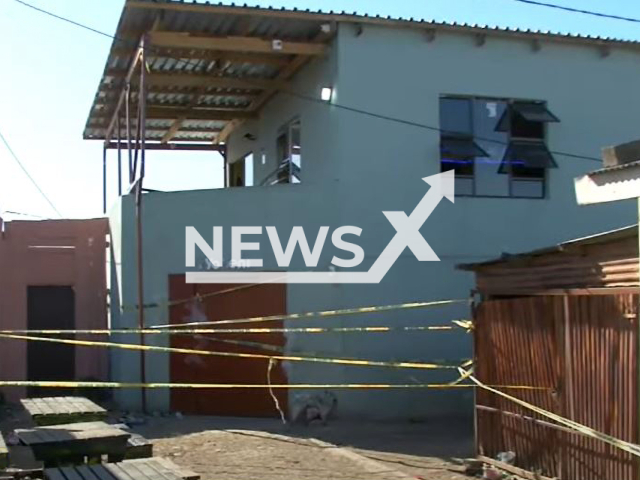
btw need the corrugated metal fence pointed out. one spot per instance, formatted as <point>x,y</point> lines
<point>583,348</point>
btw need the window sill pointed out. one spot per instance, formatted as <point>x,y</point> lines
<point>466,195</point>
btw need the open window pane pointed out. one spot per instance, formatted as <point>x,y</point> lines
<point>459,147</point>
<point>534,112</point>
<point>526,119</point>
<point>522,154</point>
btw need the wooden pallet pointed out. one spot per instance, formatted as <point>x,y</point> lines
<point>72,443</point>
<point>141,469</point>
<point>63,410</point>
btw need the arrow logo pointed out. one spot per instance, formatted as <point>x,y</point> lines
<point>407,235</point>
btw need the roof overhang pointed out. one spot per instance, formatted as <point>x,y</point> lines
<point>210,67</point>
<point>207,69</point>
<point>609,184</point>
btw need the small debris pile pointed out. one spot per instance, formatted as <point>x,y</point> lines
<point>479,469</point>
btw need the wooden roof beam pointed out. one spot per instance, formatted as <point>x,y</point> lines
<point>235,44</point>
<point>326,32</point>
<point>111,90</point>
<point>173,113</point>
<point>197,80</point>
<point>196,54</point>
<point>175,126</point>
<point>172,146</point>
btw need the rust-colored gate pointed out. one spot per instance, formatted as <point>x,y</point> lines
<point>583,349</point>
<point>220,302</point>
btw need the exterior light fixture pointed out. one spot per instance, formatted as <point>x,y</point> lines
<point>326,93</point>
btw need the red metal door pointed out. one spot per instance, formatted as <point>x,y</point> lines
<point>221,302</point>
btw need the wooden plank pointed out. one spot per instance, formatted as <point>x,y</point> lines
<point>189,54</point>
<point>226,131</point>
<point>511,469</point>
<point>71,474</point>
<point>87,472</point>
<point>52,443</point>
<point>61,410</point>
<point>143,471</point>
<point>175,146</point>
<point>165,465</point>
<point>169,113</point>
<point>53,474</point>
<point>118,472</point>
<point>109,93</point>
<point>101,472</point>
<point>235,44</point>
<point>195,80</point>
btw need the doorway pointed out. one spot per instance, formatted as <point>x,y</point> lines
<point>50,307</point>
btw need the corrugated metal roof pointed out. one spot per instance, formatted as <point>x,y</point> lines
<point>343,15</point>
<point>220,20</point>
<point>616,168</point>
<point>598,238</point>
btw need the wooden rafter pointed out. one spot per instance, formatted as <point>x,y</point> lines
<point>171,146</point>
<point>111,90</point>
<point>281,82</point>
<point>103,108</point>
<point>196,80</point>
<point>285,74</point>
<point>155,131</point>
<point>226,131</point>
<point>173,113</point>
<point>235,44</point>
<point>177,123</point>
<point>191,54</point>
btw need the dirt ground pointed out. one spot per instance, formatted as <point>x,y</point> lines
<point>264,449</point>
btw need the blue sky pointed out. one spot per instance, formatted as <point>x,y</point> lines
<point>50,72</point>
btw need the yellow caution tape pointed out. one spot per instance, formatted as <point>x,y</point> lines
<point>242,343</point>
<point>466,324</point>
<point>63,384</point>
<point>613,441</point>
<point>290,358</point>
<point>200,331</point>
<point>198,297</point>
<point>325,313</point>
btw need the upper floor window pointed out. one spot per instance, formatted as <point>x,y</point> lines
<point>496,147</point>
<point>288,155</point>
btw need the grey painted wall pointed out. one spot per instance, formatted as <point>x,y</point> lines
<point>356,166</point>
